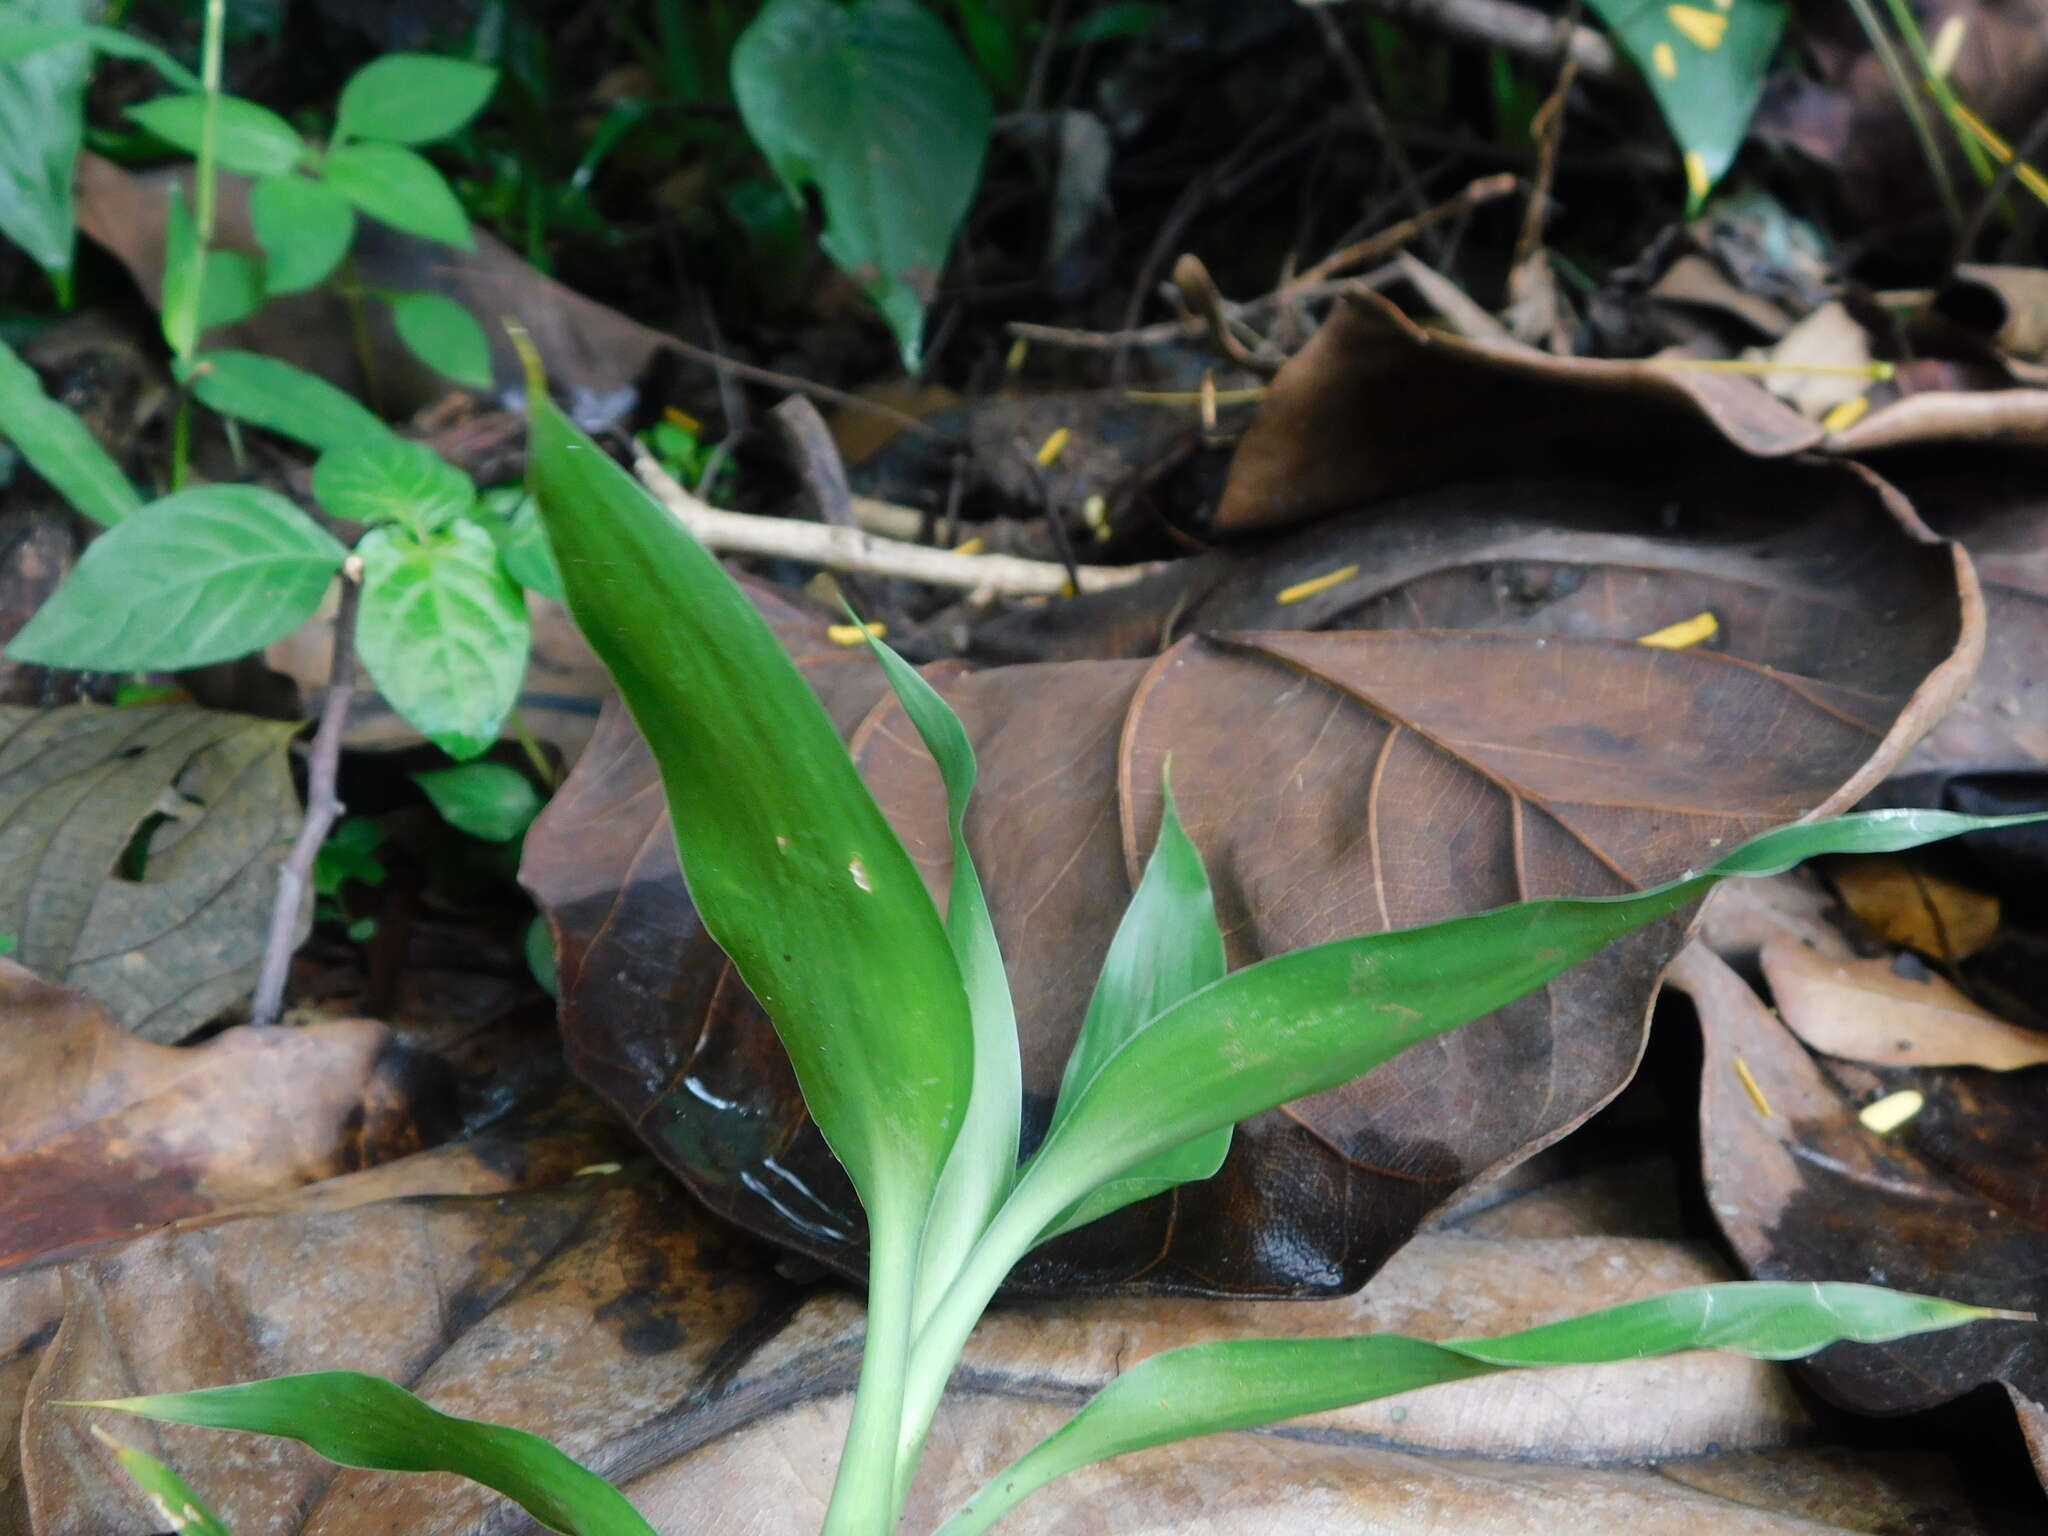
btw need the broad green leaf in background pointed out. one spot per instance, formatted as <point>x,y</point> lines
<point>1705,64</point>
<point>248,139</point>
<point>1243,1383</point>
<point>444,336</point>
<point>178,1507</point>
<point>486,800</point>
<point>201,576</point>
<point>984,1157</point>
<point>274,395</point>
<point>1167,947</point>
<point>304,227</point>
<point>231,290</point>
<point>412,98</point>
<point>59,447</point>
<point>874,105</point>
<point>793,870</point>
<point>443,631</point>
<point>366,1421</point>
<point>42,124</point>
<point>397,187</point>
<point>387,479</point>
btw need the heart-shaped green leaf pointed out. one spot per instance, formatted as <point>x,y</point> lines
<point>444,632</point>
<point>875,106</point>
<point>201,576</point>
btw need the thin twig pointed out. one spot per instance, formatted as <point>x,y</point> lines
<point>815,458</point>
<point>1502,24</point>
<point>796,386</point>
<point>1391,239</point>
<point>2014,164</point>
<point>1193,327</point>
<point>323,809</point>
<point>854,549</point>
<point>1369,109</point>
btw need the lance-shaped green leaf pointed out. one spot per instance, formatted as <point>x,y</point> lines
<point>249,139</point>
<point>305,228</point>
<point>177,1506</point>
<point>983,1161</point>
<point>1167,947</point>
<point>1244,1383</point>
<point>1298,1023</point>
<point>279,398</point>
<point>42,124</point>
<point>58,446</point>
<point>398,188</point>
<point>791,864</point>
<point>201,576</point>
<point>412,98</point>
<point>366,1421</point>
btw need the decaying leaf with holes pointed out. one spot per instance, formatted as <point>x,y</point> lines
<point>139,851</point>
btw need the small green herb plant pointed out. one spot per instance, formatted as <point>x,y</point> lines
<point>899,1024</point>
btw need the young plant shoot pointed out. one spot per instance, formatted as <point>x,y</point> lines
<point>900,1027</point>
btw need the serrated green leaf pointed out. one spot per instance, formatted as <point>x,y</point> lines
<point>365,1421</point>
<point>304,227</point>
<point>1167,947</point>
<point>1243,1383</point>
<point>58,446</point>
<point>176,1506</point>
<point>444,336</point>
<point>874,105</point>
<point>1705,65</point>
<point>983,1161</point>
<point>399,188</point>
<point>42,125</point>
<point>388,479</point>
<point>202,576</point>
<point>412,98</point>
<point>486,800</point>
<point>247,139</point>
<point>444,632</point>
<point>279,398</point>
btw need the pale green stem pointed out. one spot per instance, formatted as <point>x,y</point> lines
<point>202,208</point>
<point>1939,89</point>
<point>864,1492</point>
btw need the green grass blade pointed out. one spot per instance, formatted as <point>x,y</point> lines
<point>1303,1022</point>
<point>58,446</point>
<point>1167,947</point>
<point>366,1421</point>
<point>1240,1384</point>
<point>983,1161</point>
<point>178,1507</point>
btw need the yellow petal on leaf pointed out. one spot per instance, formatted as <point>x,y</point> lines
<point>1887,1114</point>
<point>1664,58</point>
<point>1703,29</point>
<point>1315,584</point>
<point>854,634</point>
<point>1676,637</point>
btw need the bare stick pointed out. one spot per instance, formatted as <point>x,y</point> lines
<point>322,810</point>
<point>1194,327</point>
<point>854,549</point>
<point>815,458</point>
<point>784,381</point>
<point>1395,236</point>
<point>1516,28</point>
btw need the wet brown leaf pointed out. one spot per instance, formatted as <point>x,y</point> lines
<point>1872,1011</point>
<point>1948,1205</point>
<point>1916,908</point>
<point>1487,730</point>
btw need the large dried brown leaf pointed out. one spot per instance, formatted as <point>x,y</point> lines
<point>1488,731</point>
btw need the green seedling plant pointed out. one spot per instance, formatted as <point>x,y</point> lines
<point>899,1024</point>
